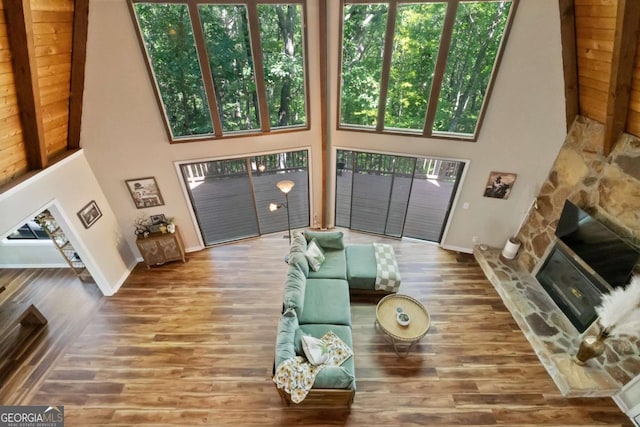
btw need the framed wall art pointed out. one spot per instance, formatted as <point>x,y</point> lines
<point>499,185</point>
<point>89,214</point>
<point>145,192</point>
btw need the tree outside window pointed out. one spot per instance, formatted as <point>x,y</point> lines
<point>223,68</point>
<point>434,77</point>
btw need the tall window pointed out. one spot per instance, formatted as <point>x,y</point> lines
<point>420,67</point>
<point>223,67</point>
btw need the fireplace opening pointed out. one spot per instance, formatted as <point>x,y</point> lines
<point>575,290</point>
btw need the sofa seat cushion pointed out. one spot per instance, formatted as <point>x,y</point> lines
<point>326,301</point>
<point>333,267</point>
<point>342,377</point>
<point>361,266</point>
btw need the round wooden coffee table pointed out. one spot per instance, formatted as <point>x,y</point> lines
<point>403,338</point>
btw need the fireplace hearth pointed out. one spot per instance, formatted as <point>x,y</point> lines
<point>575,290</point>
<point>550,333</point>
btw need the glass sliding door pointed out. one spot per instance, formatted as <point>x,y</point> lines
<point>344,184</point>
<point>434,187</point>
<point>231,197</point>
<point>400,191</point>
<point>372,181</point>
<point>222,200</point>
<point>394,195</point>
<point>267,171</point>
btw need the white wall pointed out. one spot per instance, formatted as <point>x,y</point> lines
<point>64,189</point>
<point>30,254</point>
<point>124,137</point>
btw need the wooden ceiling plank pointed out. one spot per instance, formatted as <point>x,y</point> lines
<point>18,17</point>
<point>78,59</point>
<point>569,60</point>
<point>622,65</point>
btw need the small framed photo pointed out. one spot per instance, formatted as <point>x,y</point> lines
<point>157,219</point>
<point>145,192</point>
<point>89,214</point>
<point>499,185</point>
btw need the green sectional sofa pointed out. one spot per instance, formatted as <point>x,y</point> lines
<point>321,301</point>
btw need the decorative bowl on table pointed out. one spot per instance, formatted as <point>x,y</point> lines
<point>403,319</point>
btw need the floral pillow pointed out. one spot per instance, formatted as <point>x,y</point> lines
<point>314,255</point>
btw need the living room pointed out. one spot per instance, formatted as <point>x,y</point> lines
<point>123,136</point>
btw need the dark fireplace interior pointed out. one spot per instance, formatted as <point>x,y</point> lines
<point>587,261</point>
<point>574,289</point>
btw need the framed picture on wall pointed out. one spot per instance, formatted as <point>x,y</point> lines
<point>89,214</point>
<point>499,185</point>
<point>145,192</point>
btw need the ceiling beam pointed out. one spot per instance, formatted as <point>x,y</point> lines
<point>622,62</point>
<point>78,60</point>
<point>324,61</point>
<point>20,34</point>
<point>569,59</point>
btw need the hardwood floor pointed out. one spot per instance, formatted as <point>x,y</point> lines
<point>192,344</point>
<point>65,301</point>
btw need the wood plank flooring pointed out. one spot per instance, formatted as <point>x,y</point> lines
<point>192,344</point>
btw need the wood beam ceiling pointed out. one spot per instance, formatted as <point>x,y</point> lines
<point>20,34</point>
<point>624,51</point>
<point>569,59</point>
<point>78,59</point>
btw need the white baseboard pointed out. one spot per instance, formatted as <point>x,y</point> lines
<point>457,249</point>
<point>63,265</point>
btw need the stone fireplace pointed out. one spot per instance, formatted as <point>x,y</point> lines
<point>608,188</point>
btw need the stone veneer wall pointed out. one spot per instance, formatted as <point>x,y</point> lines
<point>608,188</point>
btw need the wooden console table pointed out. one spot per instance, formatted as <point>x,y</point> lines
<point>159,248</point>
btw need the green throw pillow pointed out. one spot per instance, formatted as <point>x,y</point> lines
<point>315,255</point>
<point>326,239</point>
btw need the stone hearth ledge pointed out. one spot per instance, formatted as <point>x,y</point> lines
<point>554,339</point>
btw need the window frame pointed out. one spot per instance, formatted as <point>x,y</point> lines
<point>438,75</point>
<point>207,81</point>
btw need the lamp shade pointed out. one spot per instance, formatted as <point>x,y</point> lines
<point>285,186</point>
<point>274,207</point>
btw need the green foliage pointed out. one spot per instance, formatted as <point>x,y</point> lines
<point>415,50</point>
<point>476,38</point>
<point>226,34</point>
<point>281,39</point>
<point>167,32</point>
<point>363,42</point>
<point>168,37</point>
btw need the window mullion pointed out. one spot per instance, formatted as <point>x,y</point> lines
<point>386,63</point>
<point>205,68</point>
<point>441,66</point>
<point>258,67</point>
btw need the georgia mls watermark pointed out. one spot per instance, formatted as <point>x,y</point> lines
<point>31,416</point>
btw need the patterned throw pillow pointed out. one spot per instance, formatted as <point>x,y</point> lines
<point>315,255</point>
<point>315,349</point>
